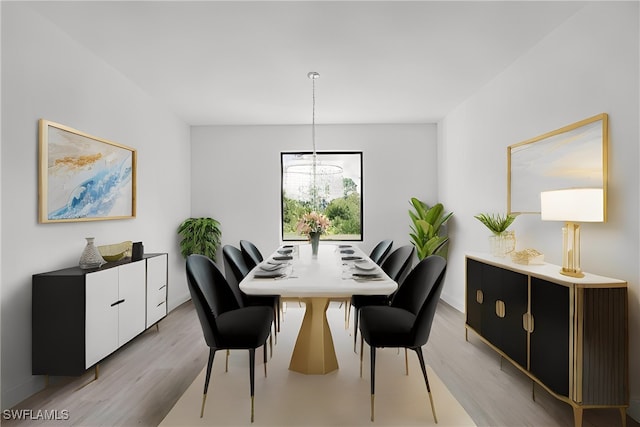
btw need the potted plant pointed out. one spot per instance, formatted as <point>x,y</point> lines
<point>501,241</point>
<point>426,229</point>
<point>200,236</point>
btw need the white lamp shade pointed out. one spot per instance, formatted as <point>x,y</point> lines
<point>573,204</point>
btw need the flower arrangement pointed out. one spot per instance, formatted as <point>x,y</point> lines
<point>313,222</point>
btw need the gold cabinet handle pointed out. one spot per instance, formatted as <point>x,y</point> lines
<point>527,322</point>
<point>500,308</point>
<point>479,296</point>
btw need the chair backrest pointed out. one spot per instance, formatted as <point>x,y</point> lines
<point>398,264</point>
<point>421,290</point>
<point>210,293</point>
<point>424,321</point>
<point>380,251</point>
<point>251,254</point>
<point>235,269</point>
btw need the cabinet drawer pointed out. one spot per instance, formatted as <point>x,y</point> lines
<point>156,288</point>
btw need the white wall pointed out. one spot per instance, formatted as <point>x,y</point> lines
<point>47,75</point>
<point>587,66</point>
<point>235,176</point>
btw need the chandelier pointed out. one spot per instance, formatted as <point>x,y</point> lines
<point>309,179</point>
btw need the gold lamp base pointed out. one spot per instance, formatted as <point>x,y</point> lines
<point>571,250</point>
<point>572,273</point>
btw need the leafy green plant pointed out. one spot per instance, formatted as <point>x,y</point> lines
<point>497,223</point>
<point>200,236</point>
<point>425,231</point>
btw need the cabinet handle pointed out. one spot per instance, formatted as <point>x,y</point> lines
<point>527,322</point>
<point>117,302</point>
<point>500,308</point>
<point>162,287</point>
<point>160,304</point>
<point>479,296</point>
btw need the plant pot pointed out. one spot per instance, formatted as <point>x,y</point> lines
<point>502,244</point>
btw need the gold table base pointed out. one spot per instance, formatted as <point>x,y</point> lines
<point>314,352</point>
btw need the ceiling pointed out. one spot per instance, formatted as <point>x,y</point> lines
<point>241,62</point>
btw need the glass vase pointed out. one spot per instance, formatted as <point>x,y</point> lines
<point>314,238</point>
<point>90,257</point>
<point>502,244</point>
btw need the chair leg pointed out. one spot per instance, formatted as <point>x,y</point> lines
<point>406,362</point>
<point>264,358</point>
<point>276,321</point>
<point>252,372</point>
<point>418,351</point>
<point>271,343</point>
<point>212,353</point>
<point>361,353</point>
<point>356,314</point>
<point>372,350</point>
<point>226,362</point>
<point>278,304</point>
<point>347,306</point>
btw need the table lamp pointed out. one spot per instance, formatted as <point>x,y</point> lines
<point>572,205</point>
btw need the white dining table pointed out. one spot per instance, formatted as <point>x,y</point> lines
<point>317,280</point>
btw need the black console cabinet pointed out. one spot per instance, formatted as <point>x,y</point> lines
<point>569,335</point>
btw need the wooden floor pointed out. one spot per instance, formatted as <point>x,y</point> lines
<point>139,384</point>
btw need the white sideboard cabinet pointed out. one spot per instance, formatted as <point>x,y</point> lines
<point>569,335</point>
<point>79,317</point>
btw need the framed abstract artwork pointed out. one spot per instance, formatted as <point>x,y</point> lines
<point>83,177</point>
<point>574,156</point>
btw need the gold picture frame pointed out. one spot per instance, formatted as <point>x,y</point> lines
<point>83,177</point>
<point>574,156</point>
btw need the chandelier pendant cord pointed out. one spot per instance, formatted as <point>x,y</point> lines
<point>313,76</point>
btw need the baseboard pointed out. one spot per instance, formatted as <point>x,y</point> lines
<point>17,394</point>
<point>634,410</point>
<point>177,301</point>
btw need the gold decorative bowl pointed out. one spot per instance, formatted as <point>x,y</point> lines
<point>116,251</point>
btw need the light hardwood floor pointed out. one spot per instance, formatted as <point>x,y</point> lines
<point>139,384</point>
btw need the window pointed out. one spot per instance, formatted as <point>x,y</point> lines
<point>336,191</point>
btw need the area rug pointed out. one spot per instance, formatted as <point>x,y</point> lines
<point>340,398</point>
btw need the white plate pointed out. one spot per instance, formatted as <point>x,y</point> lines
<point>271,267</point>
<point>365,266</point>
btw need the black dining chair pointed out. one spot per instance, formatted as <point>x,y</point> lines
<point>377,255</point>
<point>226,324</point>
<point>252,257</point>
<point>251,253</point>
<point>397,265</point>
<point>406,322</point>
<point>380,251</point>
<point>236,269</point>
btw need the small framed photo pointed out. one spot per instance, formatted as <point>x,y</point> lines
<point>84,177</point>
